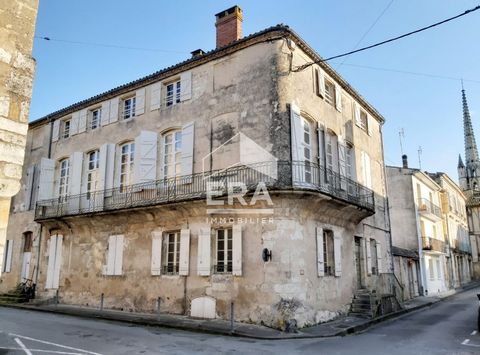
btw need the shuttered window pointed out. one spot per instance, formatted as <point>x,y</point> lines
<point>224,252</point>
<point>127,152</point>
<point>328,253</point>
<point>92,172</point>
<point>66,129</point>
<point>64,177</point>
<point>95,118</point>
<point>129,108</point>
<point>330,95</point>
<point>374,256</point>
<point>171,253</point>
<point>7,260</point>
<point>114,256</point>
<point>172,154</point>
<point>172,93</point>
<point>307,149</point>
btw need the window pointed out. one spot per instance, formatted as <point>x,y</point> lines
<point>126,165</point>
<point>307,149</point>
<point>64,179</point>
<point>96,117</point>
<point>172,154</point>
<point>114,255</point>
<point>129,108</point>
<point>431,271</point>
<point>27,242</point>
<point>328,253</point>
<point>373,256</point>
<point>434,231</point>
<point>224,254</point>
<point>66,129</point>
<point>92,172</point>
<point>172,253</point>
<point>7,258</point>
<point>173,91</point>
<point>329,92</point>
<point>349,163</point>
<point>363,120</point>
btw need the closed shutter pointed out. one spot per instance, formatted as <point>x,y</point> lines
<point>321,144</point>
<point>321,82</point>
<point>155,96</point>
<point>56,131</point>
<point>58,261</point>
<point>473,243</point>
<point>237,250</point>
<point>379,258</point>
<point>8,256</point>
<point>369,125</point>
<point>342,159</point>
<point>51,261</point>
<point>29,187</point>
<point>46,179</point>
<point>186,86</point>
<point>184,252</point>
<point>369,256</point>
<point>74,123</point>
<point>119,255</point>
<point>112,240</point>
<point>337,255</point>
<point>145,167</point>
<point>113,110</point>
<point>320,256</point>
<point>338,98</point>
<point>109,169</point>
<point>203,259</point>
<point>105,113</point>
<point>156,264</point>
<point>296,129</point>
<point>140,102</point>
<point>356,110</point>
<point>82,121</point>
<point>75,176</point>
<point>367,170</point>
<point>187,148</point>
<point>351,171</point>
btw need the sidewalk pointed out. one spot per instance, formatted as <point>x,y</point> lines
<point>340,327</point>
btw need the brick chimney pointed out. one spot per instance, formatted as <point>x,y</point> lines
<point>229,26</point>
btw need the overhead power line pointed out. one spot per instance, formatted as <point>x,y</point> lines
<point>305,66</point>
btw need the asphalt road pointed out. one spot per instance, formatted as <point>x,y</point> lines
<point>445,328</point>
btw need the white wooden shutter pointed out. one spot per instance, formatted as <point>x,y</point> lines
<point>379,258</point>
<point>156,265</point>
<point>184,252</point>
<point>320,256</point>
<point>8,255</point>
<point>105,113</point>
<point>119,255</point>
<point>113,110</point>
<point>74,123</point>
<point>473,243</point>
<point>82,121</point>
<point>186,86</point>
<point>109,169</point>
<point>321,82</point>
<point>237,250</point>
<point>369,125</point>
<point>338,97</point>
<point>342,159</point>
<point>321,144</point>
<point>46,179</point>
<point>75,174</point>
<point>337,255</point>
<point>367,170</point>
<point>145,167</point>
<point>56,131</point>
<point>102,166</point>
<point>51,261</point>
<point>356,110</point>
<point>29,186</point>
<point>187,148</point>
<point>58,261</point>
<point>203,258</point>
<point>140,102</point>
<point>296,133</point>
<point>155,96</point>
<point>369,256</point>
<point>112,241</point>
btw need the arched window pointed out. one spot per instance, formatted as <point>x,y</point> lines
<point>92,171</point>
<point>63,178</point>
<point>172,154</point>
<point>127,151</point>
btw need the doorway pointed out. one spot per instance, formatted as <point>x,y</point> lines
<point>358,263</point>
<point>26,256</point>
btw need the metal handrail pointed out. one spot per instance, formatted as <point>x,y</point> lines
<point>433,244</point>
<point>429,207</point>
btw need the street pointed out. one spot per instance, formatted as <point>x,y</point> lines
<point>449,327</point>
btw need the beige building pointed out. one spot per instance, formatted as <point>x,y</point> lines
<point>117,196</point>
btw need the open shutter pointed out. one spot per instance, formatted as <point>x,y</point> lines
<point>356,110</point>
<point>109,169</point>
<point>184,252</point>
<point>156,265</point>
<point>473,243</point>
<point>112,241</point>
<point>369,125</point>
<point>58,261</point>
<point>155,96</point>
<point>320,256</point>
<point>145,168</point>
<point>105,113</point>
<point>8,256</point>
<point>186,86</point>
<point>82,121</point>
<point>75,176</point>
<point>342,165</point>
<point>119,255</point>
<point>321,82</point>
<point>296,140</point>
<point>74,123</point>
<point>337,255</point>
<point>367,170</point>
<point>56,131</point>
<point>187,148</point>
<point>369,256</point>
<point>113,110</point>
<point>51,261</point>
<point>237,250</point>
<point>46,179</point>
<point>140,102</point>
<point>379,258</point>
<point>203,259</point>
<point>338,97</point>
<point>29,186</point>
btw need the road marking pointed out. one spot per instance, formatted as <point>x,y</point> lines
<point>466,341</point>
<point>24,348</point>
<point>42,351</point>
<point>54,344</point>
<point>474,332</point>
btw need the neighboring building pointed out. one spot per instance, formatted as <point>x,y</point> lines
<point>416,222</point>
<point>115,189</point>
<point>17,67</point>
<point>469,180</point>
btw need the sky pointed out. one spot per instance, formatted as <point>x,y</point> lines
<point>426,107</point>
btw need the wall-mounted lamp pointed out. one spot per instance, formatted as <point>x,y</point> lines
<point>266,255</point>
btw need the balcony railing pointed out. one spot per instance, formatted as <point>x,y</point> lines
<point>281,175</point>
<point>461,246</point>
<point>428,207</point>
<point>433,244</point>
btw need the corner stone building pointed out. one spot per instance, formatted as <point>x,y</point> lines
<point>115,194</point>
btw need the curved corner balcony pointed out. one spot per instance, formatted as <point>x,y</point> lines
<point>277,176</point>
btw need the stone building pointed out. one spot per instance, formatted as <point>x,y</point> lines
<point>17,28</point>
<point>118,197</point>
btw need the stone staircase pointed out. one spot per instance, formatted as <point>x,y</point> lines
<point>363,304</point>
<point>20,294</point>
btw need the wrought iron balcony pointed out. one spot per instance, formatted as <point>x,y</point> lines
<point>433,244</point>
<point>289,176</point>
<point>427,207</point>
<point>461,246</point>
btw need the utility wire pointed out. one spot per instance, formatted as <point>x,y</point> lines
<point>305,66</point>
<point>108,45</point>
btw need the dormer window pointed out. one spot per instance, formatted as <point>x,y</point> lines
<point>173,91</point>
<point>129,108</point>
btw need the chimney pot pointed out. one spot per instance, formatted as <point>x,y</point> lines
<point>229,26</point>
<point>405,161</point>
<point>197,53</point>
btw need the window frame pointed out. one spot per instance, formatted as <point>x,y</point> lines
<point>97,116</point>
<point>374,256</point>
<point>307,147</point>
<point>363,120</point>
<point>92,173</point>
<point>63,179</point>
<point>328,250</point>
<point>176,154</point>
<point>226,261</point>
<point>171,267</point>
<point>129,114</point>
<point>66,128</point>
<point>330,98</point>
<point>173,98</point>
<point>126,168</point>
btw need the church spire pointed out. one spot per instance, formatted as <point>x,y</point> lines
<point>471,151</point>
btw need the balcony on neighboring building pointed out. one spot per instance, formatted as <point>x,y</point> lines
<point>460,246</point>
<point>277,176</point>
<point>433,244</point>
<point>428,209</point>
